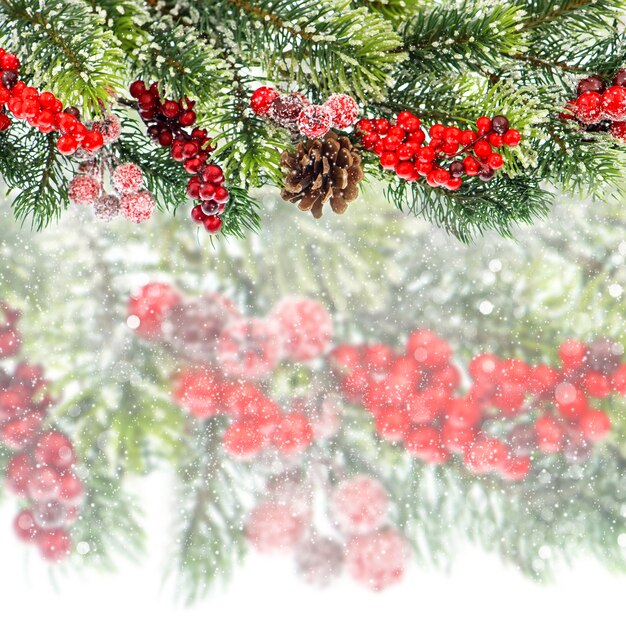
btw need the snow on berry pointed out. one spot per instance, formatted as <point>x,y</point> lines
<point>273,527</point>
<point>315,121</point>
<point>262,98</point>
<point>305,328</point>
<point>110,128</point>
<point>377,560</point>
<point>344,110</point>
<point>84,189</point>
<point>292,435</point>
<point>107,207</point>
<point>249,348</point>
<point>360,504</point>
<point>137,207</point>
<point>127,178</point>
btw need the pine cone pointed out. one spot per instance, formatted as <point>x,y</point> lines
<point>321,170</point>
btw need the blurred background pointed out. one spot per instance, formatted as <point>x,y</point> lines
<point>359,407</point>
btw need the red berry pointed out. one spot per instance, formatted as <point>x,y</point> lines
<point>66,144</point>
<point>512,137</point>
<point>573,353</point>
<point>54,545</point>
<point>613,103</point>
<point>617,130</point>
<point>482,149</point>
<point>364,126</point>
<point>496,140</point>
<point>262,98</point>
<point>25,527</point>
<point>468,137</point>
<point>187,118</point>
<point>437,131</point>
<point>405,170</point>
<point>170,109</point>
<point>495,161</point>
<point>381,126</point>
<point>516,468</point>
<point>213,224</point>
<point>137,89</point>
<point>389,160</point>
<point>392,424</point>
<point>93,141</point>
<point>9,62</point>
<point>471,165</point>
<point>483,124</point>
<point>594,425</point>
<point>408,121</point>
<point>589,107</point>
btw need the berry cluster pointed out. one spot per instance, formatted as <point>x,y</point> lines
<point>43,111</point>
<point>363,542</point>
<point>41,469</point>
<point>167,122</point>
<point>234,356</point>
<point>126,195</point>
<point>444,155</point>
<point>600,108</point>
<point>511,411</point>
<point>209,329</point>
<point>295,113</point>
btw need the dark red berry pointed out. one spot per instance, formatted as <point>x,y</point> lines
<point>500,124</point>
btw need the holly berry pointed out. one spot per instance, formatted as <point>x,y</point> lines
<point>614,103</point>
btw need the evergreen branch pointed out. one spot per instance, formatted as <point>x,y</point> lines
<point>31,164</point>
<point>477,206</point>
<point>70,51</point>
<point>475,34</point>
<point>322,44</point>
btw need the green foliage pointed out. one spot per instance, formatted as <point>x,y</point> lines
<point>67,49</point>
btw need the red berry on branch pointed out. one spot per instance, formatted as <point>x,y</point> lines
<point>613,104</point>
<point>344,110</point>
<point>66,144</point>
<point>314,121</point>
<point>512,137</point>
<point>483,124</point>
<point>589,107</point>
<point>262,98</point>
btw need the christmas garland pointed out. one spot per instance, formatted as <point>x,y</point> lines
<point>398,121</point>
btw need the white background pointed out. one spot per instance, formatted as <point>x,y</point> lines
<point>478,590</point>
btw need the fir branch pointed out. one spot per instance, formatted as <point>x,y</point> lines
<point>475,34</point>
<point>476,207</point>
<point>31,165</point>
<point>68,48</point>
<point>323,44</point>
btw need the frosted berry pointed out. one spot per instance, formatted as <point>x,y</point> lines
<point>84,189</point>
<point>314,121</point>
<point>344,110</point>
<point>137,207</point>
<point>274,527</point>
<point>243,440</point>
<point>360,504</point>
<point>292,435</point>
<point>127,178</point>
<point>110,128</point>
<point>55,449</point>
<point>285,110</point>
<point>589,107</point>
<point>107,207</point>
<point>377,560</point>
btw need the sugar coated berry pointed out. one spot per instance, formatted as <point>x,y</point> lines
<point>137,207</point>
<point>127,178</point>
<point>285,110</point>
<point>273,527</point>
<point>614,103</point>
<point>262,98</point>
<point>84,189</point>
<point>344,110</point>
<point>110,128</point>
<point>377,560</point>
<point>314,121</point>
<point>107,207</point>
<point>360,504</point>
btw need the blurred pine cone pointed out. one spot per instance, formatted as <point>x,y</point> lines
<point>322,170</point>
